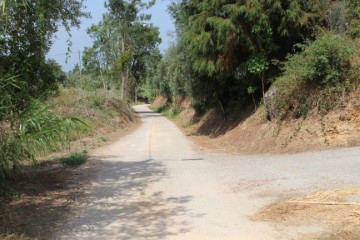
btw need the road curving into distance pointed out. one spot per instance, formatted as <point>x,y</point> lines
<point>156,184</point>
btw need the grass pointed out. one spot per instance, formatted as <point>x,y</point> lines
<point>8,193</point>
<point>104,138</point>
<point>74,159</point>
<point>166,110</point>
<point>170,113</point>
<point>97,109</point>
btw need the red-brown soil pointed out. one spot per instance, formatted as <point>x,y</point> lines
<point>256,135</point>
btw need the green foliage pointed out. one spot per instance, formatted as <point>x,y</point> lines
<point>74,159</point>
<point>26,33</point>
<point>251,90</point>
<point>327,61</point>
<point>172,75</point>
<point>353,18</point>
<point>224,50</point>
<point>168,110</point>
<point>315,77</point>
<point>257,64</point>
<point>229,46</point>
<point>122,46</point>
<point>104,138</point>
<point>26,131</point>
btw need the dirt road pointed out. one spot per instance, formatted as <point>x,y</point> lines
<point>155,184</point>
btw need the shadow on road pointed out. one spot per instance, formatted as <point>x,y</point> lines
<point>148,114</point>
<point>42,199</point>
<point>145,112</point>
<point>193,159</point>
<point>120,206</point>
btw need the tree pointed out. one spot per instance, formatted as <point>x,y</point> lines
<point>26,123</point>
<point>126,15</point>
<point>26,33</point>
<point>233,43</point>
<point>123,43</point>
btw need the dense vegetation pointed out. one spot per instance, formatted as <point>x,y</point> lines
<point>41,108</point>
<point>227,54</point>
<point>27,78</point>
<point>290,55</point>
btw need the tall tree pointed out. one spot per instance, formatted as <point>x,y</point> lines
<point>126,15</point>
<point>232,43</point>
<point>123,42</point>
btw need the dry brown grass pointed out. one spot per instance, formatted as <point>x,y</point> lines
<point>327,208</point>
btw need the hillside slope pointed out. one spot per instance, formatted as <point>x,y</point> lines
<point>303,111</point>
<point>254,134</point>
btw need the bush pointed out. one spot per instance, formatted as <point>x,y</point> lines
<point>75,159</point>
<point>326,61</point>
<point>314,77</point>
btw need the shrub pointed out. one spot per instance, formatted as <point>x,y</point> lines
<point>75,159</point>
<point>326,61</point>
<point>314,77</point>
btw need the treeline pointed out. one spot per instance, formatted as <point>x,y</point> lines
<point>124,46</point>
<point>228,54</point>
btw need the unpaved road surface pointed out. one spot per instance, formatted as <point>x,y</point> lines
<point>156,184</point>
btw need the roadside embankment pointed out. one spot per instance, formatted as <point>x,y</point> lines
<point>253,133</point>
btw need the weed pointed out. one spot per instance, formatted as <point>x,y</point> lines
<point>75,159</point>
<point>104,138</point>
<point>170,113</point>
<point>8,193</point>
<point>167,110</point>
<point>100,109</point>
<point>298,128</point>
<point>323,130</point>
<point>278,128</point>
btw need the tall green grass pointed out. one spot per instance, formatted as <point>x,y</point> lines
<point>27,128</point>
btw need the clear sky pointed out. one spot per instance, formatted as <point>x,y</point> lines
<point>160,18</point>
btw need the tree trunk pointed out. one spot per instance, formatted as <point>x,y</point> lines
<point>123,74</point>
<point>262,84</point>
<point>254,101</point>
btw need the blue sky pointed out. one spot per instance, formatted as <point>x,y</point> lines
<point>160,18</point>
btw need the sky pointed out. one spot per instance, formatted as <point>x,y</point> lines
<point>160,18</point>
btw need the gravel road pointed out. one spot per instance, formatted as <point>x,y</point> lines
<point>156,184</point>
